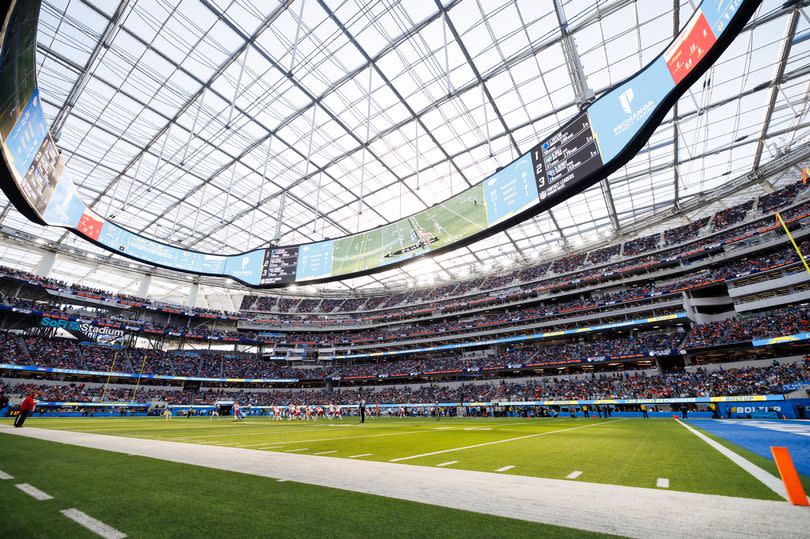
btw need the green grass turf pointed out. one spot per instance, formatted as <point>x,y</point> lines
<point>630,452</point>
<point>765,463</point>
<point>145,497</point>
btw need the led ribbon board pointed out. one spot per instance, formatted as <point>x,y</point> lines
<point>589,147</point>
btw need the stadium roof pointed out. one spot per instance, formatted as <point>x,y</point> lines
<point>194,121</point>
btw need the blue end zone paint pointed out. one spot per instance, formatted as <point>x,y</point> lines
<point>759,440</point>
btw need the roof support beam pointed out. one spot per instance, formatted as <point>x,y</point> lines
<point>102,45</point>
<point>790,31</point>
<point>582,91</point>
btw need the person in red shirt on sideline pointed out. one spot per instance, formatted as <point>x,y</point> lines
<point>26,407</point>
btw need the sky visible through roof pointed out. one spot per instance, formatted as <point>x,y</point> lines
<point>188,120</point>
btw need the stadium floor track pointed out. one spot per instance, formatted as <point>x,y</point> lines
<point>622,510</point>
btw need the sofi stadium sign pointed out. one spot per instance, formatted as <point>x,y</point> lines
<point>586,149</point>
<point>83,329</point>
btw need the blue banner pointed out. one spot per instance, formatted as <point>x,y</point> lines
<point>781,339</point>
<point>617,116</point>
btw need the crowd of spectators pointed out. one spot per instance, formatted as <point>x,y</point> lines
<point>600,256</point>
<point>684,233</point>
<point>103,295</point>
<point>641,245</point>
<point>776,323</point>
<point>731,216</point>
<point>699,382</point>
<point>780,198</point>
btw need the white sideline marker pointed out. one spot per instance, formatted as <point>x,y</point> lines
<point>325,452</point>
<point>505,468</point>
<point>34,492</point>
<point>662,482</point>
<point>358,456</point>
<point>770,481</point>
<point>573,475</point>
<point>282,480</point>
<point>296,450</point>
<point>95,526</point>
<point>447,463</point>
<point>504,441</point>
<point>4,475</point>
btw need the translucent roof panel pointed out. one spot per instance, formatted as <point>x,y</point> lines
<point>196,122</point>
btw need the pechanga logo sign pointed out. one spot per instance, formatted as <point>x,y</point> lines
<point>626,99</point>
<point>83,330</point>
<point>617,116</point>
<point>634,117</point>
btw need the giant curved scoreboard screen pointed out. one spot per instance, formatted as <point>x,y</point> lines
<point>585,150</point>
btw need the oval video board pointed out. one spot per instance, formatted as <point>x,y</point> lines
<point>585,150</point>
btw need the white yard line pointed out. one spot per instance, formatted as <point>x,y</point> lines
<point>505,468</point>
<point>573,475</point>
<point>339,438</point>
<point>611,509</point>
<point>400,459</point>
<point>296,450</point>
<point>325,452</point>
<point>95,526</point>
<point>361,455</point>
<point>4,475</point>
<point>662,482</point>
<point>773,483</point>
<point>34,492</point>
<point>443,464</point>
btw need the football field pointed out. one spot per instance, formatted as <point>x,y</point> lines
<point>659,455</point>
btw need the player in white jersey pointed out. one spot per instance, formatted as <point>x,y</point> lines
<point>214,413</point>
<point>277,413</point>
<point>236,415</point>
<point>168,414</point>
<point>338,412</point>
<point>290,412</point>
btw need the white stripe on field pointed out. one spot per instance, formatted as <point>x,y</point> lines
<point>447,463</point>
<point>333,439</point>
<point>4,475</point>
<point>358,456</point>
<point>504,441</point>
<point>295,450</point>
<point>767,479</point>
<point>573,475</point>
<point>325,452</point>
<point>505,468</point>
<point>662,482</point>
<point>34,492</point>
<point>95,526</point>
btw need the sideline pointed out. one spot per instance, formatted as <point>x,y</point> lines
<point>767,479</point>
<point>506,440</point>
<point>610,508</point>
